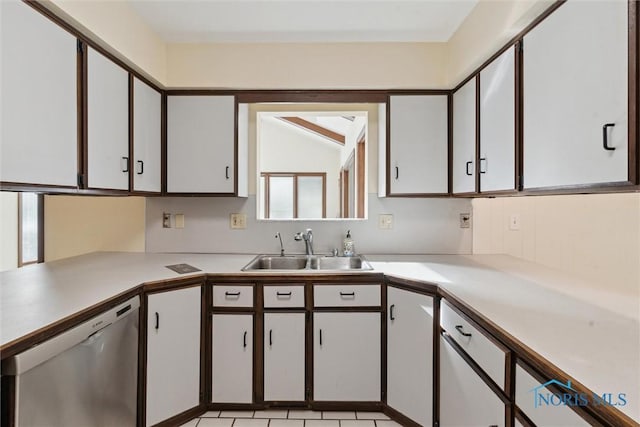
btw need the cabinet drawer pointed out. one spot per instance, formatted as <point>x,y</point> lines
<point>233,296</point>
<point>283,296</point>
<point>488,355</point>
<point>346,295</point>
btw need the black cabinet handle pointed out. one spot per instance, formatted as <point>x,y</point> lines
<point>467,168</point>
<point>126,164</point>
<point>270,337</point>
<point>347,294</point>
<point>141,163</point>
<point>232,294</point>
<point>482,159</point>
<point>226,172</point>
<point>244,339</point>
<point>320,336</point>
<point>391,312</point>
<point>283,294</point>
<point>463,333</point>
<point>397,172</point>
<point>157,321</point>
<point>605,139</point>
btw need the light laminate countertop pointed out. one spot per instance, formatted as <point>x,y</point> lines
<point>587,331</point>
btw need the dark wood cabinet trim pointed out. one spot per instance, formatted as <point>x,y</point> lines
<point>131,135</point>
<point>477,141</point>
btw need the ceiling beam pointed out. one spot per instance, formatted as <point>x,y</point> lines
<point>314,128</point>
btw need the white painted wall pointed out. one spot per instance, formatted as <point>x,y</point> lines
<point>287,148</point>
<point>8,231</point>
<point>592,236</point>
<point>420,226</point>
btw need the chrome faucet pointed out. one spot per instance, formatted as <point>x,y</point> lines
<point>279,236</point>
<point>307,236</point>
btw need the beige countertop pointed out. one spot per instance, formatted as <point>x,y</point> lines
<point>586,331</point>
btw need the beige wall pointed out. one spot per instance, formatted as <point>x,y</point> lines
<point>77,225</point>
<point>307,66</point>
<point>595,237</point>
<point>8,231</point>
<point>489,26</point>
<point>122,31</point>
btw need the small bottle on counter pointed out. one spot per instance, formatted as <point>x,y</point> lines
<point>347,247</point>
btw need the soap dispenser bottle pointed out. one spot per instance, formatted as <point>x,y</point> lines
<point>348,245</point>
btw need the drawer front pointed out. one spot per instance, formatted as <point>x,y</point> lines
<point>283,296</point>
<point>232,296</point>
<point>346,295</point>
<point>486,354</point>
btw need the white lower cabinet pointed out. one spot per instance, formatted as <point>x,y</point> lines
<point>465,399</point>
<point>410,354</point>
<point>284,356</point>
<point>232,358</point>
<point>173,353</point>
<point>346,357</point>
<point>534,400</point>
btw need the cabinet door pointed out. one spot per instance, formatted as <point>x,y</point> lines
<point>419,146</point>
<point>346,357</point>
<point>410,354</point>
<point>107,123</point>
<point>38,114</point>
<point>575,82</point>
<point>200,144</point>
<point>464,138</point>
<point>529,393</point>
<point>173,353</point>
<point>147,128</point>
<point>465,399</point>
<point>232,358</point>
<point>284,356</point>
<point>497,124</point>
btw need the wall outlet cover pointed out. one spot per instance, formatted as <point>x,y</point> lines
<point>179,220</point>
<point>465,220</point>
<point>514,222</point>
<point>238,221</point>
<point>166,220</point>
<point>385,221</point>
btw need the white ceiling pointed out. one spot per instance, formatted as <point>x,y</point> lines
<point>315,21</point>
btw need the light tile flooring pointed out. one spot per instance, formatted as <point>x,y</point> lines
<point>291,418</point>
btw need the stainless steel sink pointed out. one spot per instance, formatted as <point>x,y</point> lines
<point>304,262</point>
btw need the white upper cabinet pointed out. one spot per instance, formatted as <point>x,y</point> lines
<point>418,144</point>
<point>107,123</point>
<point>410,354</point>
<point>200,144</point>
<point>464,138</point>
<point>39,113</point>
<point>575,86</point>
<point>147,137</point>
<point>497,124</point>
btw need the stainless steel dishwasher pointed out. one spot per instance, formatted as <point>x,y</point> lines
<point>86,376</point>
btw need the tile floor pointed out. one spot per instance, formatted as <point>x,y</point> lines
<point>291,418</point>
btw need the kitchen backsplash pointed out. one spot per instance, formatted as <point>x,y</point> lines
<point>419,226</point>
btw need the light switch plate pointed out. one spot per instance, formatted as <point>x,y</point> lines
<point>238,221</point>
<point>514,222</point>
<point>385,221</point>
<point>179,220</point>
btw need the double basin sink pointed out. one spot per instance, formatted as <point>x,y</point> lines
<point>307,262</point>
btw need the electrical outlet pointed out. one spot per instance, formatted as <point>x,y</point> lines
<point>166,220</point>
<point>514,222</point>
<point>385,221</point>
<point>238,221</point>
<point>465,220</point>
<point>179,220</point>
